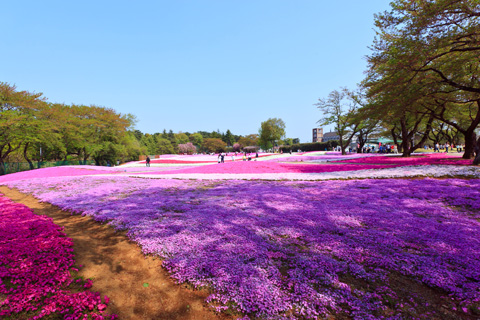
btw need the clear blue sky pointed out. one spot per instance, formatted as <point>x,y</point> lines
<point>190,65</point>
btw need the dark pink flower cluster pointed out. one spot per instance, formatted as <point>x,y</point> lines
<point>416,160</point>
<point>36,262</point>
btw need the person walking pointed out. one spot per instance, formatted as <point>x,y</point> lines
<point>148,161</point>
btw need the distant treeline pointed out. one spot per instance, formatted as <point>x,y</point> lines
<point>35,130</point>
<point>32,129</point>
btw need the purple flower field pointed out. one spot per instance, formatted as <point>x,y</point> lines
<point>362,249</point>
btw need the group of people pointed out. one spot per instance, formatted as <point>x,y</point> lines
<point>446,146</point>
<point>221,156</point>
<point>381,148</point>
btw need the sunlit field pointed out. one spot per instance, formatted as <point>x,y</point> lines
<point>301,236</point>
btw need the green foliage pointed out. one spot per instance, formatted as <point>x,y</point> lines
<point>340,110</point>
<point>18,121</point>
<point>270,132</point>
<point>164,146</point>
<point>424,64</point>
<point>150,143</point>
<point>196,139</point>
<point>249,140</point>
<point>181,138</point>
<point>228,138</point>
<point>39,131</point>
<point>214,145</point>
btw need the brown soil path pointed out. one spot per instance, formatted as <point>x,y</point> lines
<point>119,269</point>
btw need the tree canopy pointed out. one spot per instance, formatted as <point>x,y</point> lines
<point>424,66</point>
<point>270,132</point>
<point>42,131</point>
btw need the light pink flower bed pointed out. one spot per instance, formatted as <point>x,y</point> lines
<point>426,159</point>
<point>129,169</point>
<point>51,172</point>
<point>201,158</point>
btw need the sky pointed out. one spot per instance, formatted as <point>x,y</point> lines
<point>191,65</point>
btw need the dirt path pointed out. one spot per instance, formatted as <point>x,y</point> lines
<point>119,269</point>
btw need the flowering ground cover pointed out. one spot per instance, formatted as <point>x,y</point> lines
<point>240,167</point>
<point>422,159</point>
<point>362,249</point>
<point>316,157</point>
<point>134,168</point>
<point>433,171</point>
<point>53,172</point>
<point>200,158</point>
<point>36,267</point>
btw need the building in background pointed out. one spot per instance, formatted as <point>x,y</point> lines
<point>317,135</point>
<point>330,136</point>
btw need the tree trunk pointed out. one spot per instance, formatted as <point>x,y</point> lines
<point>3,156</point>
<point>406,151</point>
<point>25,155</point>
<point>476,161</point>
<point>470,144</point>
<point>395,140</point>
<point>469,133</point>
<point>2,168</point>
<point>361,142</point>
<point>342,146</point>
<point>408,142</point>
<point>85,156</point>
<point>360,147</point>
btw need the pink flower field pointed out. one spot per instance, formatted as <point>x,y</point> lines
<point>52,172</point>
<point>36,263</point>
<point>274,167</point>
<point>382,248</point>
<point>424,159</point>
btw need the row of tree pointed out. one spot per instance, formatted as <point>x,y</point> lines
<point>33,129</point>
<point>423,79</point>
<point>271,135</point>
<point>185,142</point>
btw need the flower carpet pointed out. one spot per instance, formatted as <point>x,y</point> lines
<point>36,267</point>
<point>345,247</point>
<point>200,158</point>
<point>419,159</point>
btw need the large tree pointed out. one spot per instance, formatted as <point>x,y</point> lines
<point>228,138</point>
<point>432,48</point>
<point>196,139</point>
<point>339,110</point>
<point>270,132</point>
<point>250,140</point>
<point>164,146</point>
<point>214,145</point>
<point>18,122</point>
